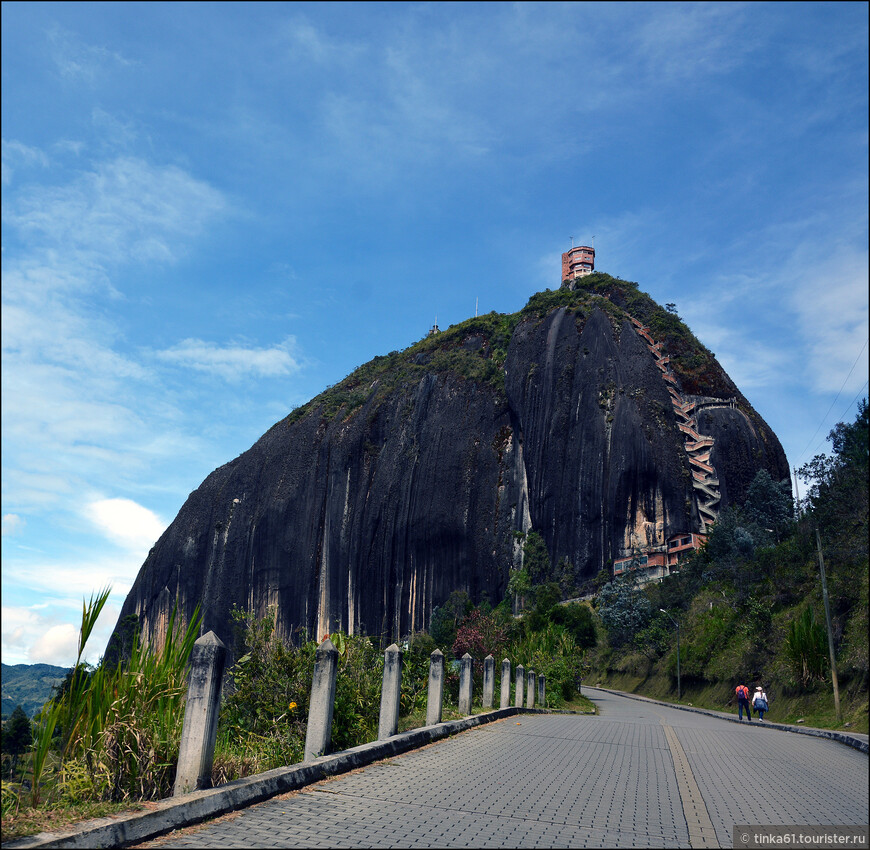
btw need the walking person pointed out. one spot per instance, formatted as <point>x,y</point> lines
<point>759,702</point>
<point>743,702</point>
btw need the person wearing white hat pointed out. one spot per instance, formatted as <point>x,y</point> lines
<point>759,702</point>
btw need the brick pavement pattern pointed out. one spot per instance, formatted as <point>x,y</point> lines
<point>564,781</point>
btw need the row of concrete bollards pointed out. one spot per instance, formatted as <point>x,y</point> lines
<point>206,675</point>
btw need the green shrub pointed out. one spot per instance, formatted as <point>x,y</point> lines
<point>578,620</point>
<point>553,652</point>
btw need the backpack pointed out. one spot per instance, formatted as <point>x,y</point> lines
<point>742,692</point>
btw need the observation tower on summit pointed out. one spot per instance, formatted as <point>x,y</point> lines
<point>578,262</point>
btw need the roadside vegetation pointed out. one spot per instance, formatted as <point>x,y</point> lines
<point>750,605</point>
<point>109,738</point>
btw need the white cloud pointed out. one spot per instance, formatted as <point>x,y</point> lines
<point>12,524</point>
<point>57,645</point>
<point>833,318</point>
<point>233,362</point>
<point>77,412</point>
<point>749,361</point>
<point>679,42</point>
<point>113,131</point>
<point>76,59</point>
<point>306,42</point>
<point>15,155</point>
<point>78,575</point>
<point>125,522</point>
<point>123,208</point>
<point>48,633</point>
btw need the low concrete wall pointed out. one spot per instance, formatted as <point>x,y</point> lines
<point>188,809</point>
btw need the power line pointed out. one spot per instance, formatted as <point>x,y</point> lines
<point>809,443</point>
<point>843,415</point>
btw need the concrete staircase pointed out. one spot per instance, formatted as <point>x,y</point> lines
<point>698,446</point>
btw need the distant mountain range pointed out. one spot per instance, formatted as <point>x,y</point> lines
<point>28,685</point>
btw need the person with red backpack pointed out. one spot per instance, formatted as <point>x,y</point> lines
<point>743,702</point>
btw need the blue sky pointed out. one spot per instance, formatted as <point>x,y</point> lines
<point>211,212</point>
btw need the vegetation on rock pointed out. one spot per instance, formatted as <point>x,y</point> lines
<point>475,349</point>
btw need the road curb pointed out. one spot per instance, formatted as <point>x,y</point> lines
<point>839,737</point>
<point>189,809</point>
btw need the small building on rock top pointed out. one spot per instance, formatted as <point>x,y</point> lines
<point>578,262</point>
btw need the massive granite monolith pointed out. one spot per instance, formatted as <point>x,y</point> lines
<point>586,417</point>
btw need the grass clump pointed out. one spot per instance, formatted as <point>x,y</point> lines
<point>110,735</point>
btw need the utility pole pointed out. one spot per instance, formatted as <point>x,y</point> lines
<point>828,623</point>
<point>797,496</point>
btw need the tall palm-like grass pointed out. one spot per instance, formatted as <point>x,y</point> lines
<point>806,647</point>
<point>65,708</point>
<point>120,726</point>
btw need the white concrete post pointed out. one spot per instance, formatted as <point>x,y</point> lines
<point>198,734</point>
<point>436,688</point>
<point>488,681</point>
<point>542,690</point>
<point>318,735</point>
<point>532,680</point>
<point>505,700</point>
<point>465,686</point>
<point>391,692</point>
<point>521,684</point>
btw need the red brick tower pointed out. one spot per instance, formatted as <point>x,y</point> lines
<point>578,262</point>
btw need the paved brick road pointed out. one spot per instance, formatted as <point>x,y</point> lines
<point>638,775</point>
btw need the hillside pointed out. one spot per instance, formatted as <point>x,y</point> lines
<point>28,685</point>
<point>750,602</point>
<point>422,471</point>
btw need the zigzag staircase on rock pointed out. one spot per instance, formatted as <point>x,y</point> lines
<point>698,447</point>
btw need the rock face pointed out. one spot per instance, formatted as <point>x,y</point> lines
<point>419,473</point>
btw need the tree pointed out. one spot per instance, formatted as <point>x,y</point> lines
<point>850,442</point>
<point>17,737</point>
<point>447,617</point>
<point>519,584</point>
<point>730,540</point>
<point>838,483</point>
<point>546,596</point>
<point>578,622</point>
<point>536,558</point>
<point>769,504</point>
<point>624,609</point>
